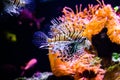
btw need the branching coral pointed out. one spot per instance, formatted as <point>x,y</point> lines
<point>83,65</point>
<point>94,19</point>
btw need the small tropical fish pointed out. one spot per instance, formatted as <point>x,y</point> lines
<point>116,8</point>
<point>116,57</point>
<point>15,6</point>
<point>32,62</point>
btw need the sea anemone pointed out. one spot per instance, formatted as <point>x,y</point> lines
<point>81,66</point>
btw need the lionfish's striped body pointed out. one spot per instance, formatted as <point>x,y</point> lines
<point>63,31</point>
<point>71,38</point>
<point>71,34</point>
<point>66,39</point>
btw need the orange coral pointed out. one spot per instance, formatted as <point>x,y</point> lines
<point>82,66</point>
<point>59,68</point>
<point>94,19</point>
<point>88,22</point>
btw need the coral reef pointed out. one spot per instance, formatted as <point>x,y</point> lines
<point>71,52</point>
<point>93,19</point>
<point>84,66</point>
<point>87,23</point>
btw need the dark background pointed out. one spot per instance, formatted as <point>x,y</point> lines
<point>13,55</point>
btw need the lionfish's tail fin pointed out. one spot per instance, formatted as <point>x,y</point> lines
<point>40,39</point>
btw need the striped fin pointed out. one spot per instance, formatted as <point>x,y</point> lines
<point>76,34</point>
<point>64,31</point>
<point>40,39</point>
<point>59,27</point>
<point>58,37</point>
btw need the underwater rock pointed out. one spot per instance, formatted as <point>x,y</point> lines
<point>45,76</point>
<point>37,76</point>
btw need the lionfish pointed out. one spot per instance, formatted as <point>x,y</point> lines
<point>69,48</point>
<point>66,39</point>
<point>15,6</point>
